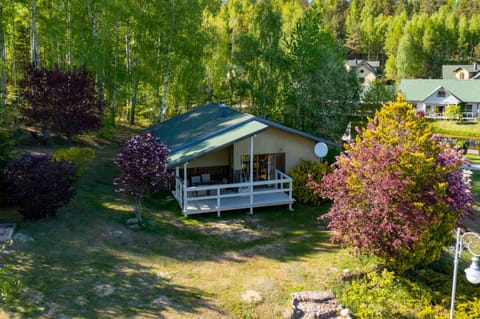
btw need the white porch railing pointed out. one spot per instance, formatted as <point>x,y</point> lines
<point>220,193</point>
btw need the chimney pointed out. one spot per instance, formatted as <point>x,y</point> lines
<point>475,66</point>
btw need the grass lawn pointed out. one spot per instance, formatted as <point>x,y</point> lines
<point>454,128</point>
<point>87,263</point>
<point>196,267</point>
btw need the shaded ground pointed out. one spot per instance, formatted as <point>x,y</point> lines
<point>88,263</point>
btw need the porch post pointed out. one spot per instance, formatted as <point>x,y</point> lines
<point>185,185</point>
<point>251,174</point>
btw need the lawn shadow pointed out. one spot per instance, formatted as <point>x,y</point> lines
<point>272,232</point>
<point>71,277</point>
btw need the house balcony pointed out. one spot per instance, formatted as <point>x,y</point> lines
<point>219,197</point>
<point>465,116</point>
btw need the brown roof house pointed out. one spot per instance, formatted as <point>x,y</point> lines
<point>225,159</point>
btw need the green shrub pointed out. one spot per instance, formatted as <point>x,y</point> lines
<point>383,295</point>
<point>80,156</point>
<point>453,111</point>
<point>463,145</point>
<point>300,174</point>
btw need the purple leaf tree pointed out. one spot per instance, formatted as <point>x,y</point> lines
<point>143,168</point>
<point>60,101</point>
<point>397,191</point>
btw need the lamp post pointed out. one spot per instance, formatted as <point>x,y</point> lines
<point>473,272</point>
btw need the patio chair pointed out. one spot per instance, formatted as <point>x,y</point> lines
<point>205,178</point>
<point>196,180</point>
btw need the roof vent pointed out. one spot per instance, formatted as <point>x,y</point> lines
<point>222,110</point>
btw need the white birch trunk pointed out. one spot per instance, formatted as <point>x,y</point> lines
<point>3,62</point>
<point>169,58</point>
<point>14,54</point>
<point>35,53</point>
<point>115,79</point>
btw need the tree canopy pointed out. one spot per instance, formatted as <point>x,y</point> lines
<point>397,191</point>
<point>151,60</point>
<point>60,101</point>
<point>143,168</point>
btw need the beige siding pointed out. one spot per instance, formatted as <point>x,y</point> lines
<point>218,158</point>
<point>274,140</point>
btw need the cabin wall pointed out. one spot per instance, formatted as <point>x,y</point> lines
<point>273,141</point>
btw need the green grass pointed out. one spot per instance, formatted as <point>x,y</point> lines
<point>459,129</point>
<point>176,267</point>
<point>473,158</point>
<point>196,267</point>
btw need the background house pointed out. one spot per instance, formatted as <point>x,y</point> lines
<point>215,146</point>
<point>433,96</point>
<point>461,72</point>
<point>367,71</point>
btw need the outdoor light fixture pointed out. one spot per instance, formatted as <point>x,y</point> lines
<point>472,272</point>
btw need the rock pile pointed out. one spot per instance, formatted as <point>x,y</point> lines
<point>315,305</point>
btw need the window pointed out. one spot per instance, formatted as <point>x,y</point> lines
<point>468,108</point>
<point>441,93</point>
<point>264,166</point>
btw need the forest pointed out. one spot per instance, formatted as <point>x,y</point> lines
<point>280,58</point>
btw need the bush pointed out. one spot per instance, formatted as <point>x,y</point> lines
<point>383,295</point>
<point>300,174</point>
<point>453,112</point>
<point>38,185</point>
<point>463,145</point>
<point>80,156</point>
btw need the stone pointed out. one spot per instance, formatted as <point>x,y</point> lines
<point>163,301</point>
<point>115,233</point>
<point>22,238</point>
<point>164,275</point>
<point>314,304</point>
<point>132,221</point>
<point>251,296</point>
<point>104,290</point>
<point>134,226</point>
<point>81,301</point>
<point>34,297</point>
<point>345,313</point>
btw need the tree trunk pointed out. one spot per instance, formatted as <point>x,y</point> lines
<point>3,61</point>
<point>35,53</point>
<point>14,54</point>
<point>115,79</point>
<point>134,102</point>
<point>3,75</point>
<point>98,74</point>
<point>138,211</point>
<point>169,58</point>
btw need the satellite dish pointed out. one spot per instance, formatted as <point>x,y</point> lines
<point>320,149</point>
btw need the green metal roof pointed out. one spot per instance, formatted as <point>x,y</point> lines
<point>202,121</point>
<point>212,143</point>
<point>211,127</point>
<point>419,90</point>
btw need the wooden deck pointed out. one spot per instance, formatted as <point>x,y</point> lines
<point>227,197</point>
<point>199,206</point>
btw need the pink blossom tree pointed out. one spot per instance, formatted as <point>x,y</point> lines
<point>397,191</point>
<point>143,165</point>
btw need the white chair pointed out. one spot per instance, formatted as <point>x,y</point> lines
<point>196,180</point>
<point>205,178</point>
